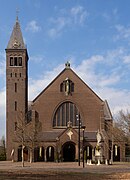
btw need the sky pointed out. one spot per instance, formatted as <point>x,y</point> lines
<point>94,36</point>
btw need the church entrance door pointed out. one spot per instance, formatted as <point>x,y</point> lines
<point>68,152</point>
<point>25,153</point>
<point>116,153</point>
<point>50,154</point>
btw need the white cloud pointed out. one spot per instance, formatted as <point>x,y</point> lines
<point>86,68</point>
<point>59,25</point>
<point>2,64</point>
<point>2,68</point>
<point>67,18</point>
<point>53,32</point>
<point>113,57</point>
<point>36,86</point>
<point>36,59</point>
<point>33,26</point>
<point>127,59</point>
<point>123,32</point>
<point>109,80</point>
<point>118,99</point>
<point>111,15</point>
<point>79,14</point>
<point>104,82</point>
<point>90,73</point>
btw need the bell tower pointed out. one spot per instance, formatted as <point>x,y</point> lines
<point>16,83</point>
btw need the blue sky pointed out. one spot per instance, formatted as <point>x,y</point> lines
<point>93,35</point>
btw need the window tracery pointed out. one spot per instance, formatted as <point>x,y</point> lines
<point>65,113</point>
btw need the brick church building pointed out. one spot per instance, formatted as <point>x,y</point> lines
<point>50,127</point>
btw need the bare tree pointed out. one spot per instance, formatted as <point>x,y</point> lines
<point>26,132</point>
<point>114,133</point>
<point>108,137</point>
<point>123,123</point>
<point>20,131</point>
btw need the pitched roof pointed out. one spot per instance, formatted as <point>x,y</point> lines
<point>16,39</point>
<point>90,136</point>
<point>107,112</point>
<point>49,135</point>
<point>66,68</point>
<point>53,135</point>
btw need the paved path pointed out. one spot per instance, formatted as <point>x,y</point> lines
<point>69,167</point>
<point>61,171</point>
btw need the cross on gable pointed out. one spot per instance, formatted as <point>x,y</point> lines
<point>69,133</point>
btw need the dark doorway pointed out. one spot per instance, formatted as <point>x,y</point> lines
<point>116,153</point>
<point>38,154</point>
<point>25,153</point>
<point>50,154</point>
<point>69,152</point>
<point>88,152</point>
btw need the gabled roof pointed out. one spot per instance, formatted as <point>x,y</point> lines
<point>53,135</point>
<point>107,112</point>
<point>16,39</point>
<point>67,128</point>
<point>67,68</point>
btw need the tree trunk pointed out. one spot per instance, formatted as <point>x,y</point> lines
<point>30,155</point>
<point>22,155</point>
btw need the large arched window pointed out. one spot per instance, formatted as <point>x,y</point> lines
<point>65,113</point>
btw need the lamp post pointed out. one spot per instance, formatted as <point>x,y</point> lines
<point>78,119</point>
<point>83,127</point>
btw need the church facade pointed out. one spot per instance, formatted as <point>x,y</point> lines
<point>65,122</point>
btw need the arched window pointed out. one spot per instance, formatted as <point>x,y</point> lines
<point>50,154</point>
<point>16,61</point>
<point>65,113</point>
<point>67,86</point>
<point>38,154</point>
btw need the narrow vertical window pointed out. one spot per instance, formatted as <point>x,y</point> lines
<point>63,115</point>
<point>72,87</point>
<point>67,113</point>
<point>116,150</point>
<point>67,86</point>
<point>15,74</point>
<point>15,61</point>
<point>71,110</point>
<point>20,74</point>
<point>58,117</point>
<point>61,87</point>
<point>20,61</point>
<point>15,87</point>
<point>15,126</point>
<point>11,61</point>
<point>15,106</point>
<point>88,151</point>
<point>11,75</point>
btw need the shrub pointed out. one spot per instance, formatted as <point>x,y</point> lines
<point>2,157</point>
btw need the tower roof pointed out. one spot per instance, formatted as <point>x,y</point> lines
<point>16,39</point>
